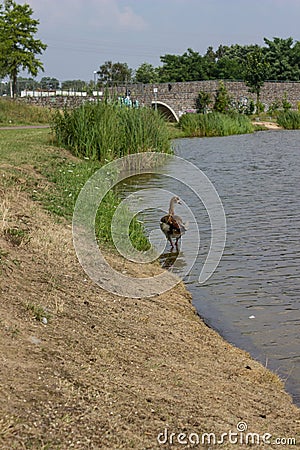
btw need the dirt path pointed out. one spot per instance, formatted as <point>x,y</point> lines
<point>107,372</point>
<point>24,127</point>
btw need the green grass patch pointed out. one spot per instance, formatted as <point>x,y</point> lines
<point>17,112</point>
<point>30,153</point>
<point>214,124</point>
<point>289,120</point>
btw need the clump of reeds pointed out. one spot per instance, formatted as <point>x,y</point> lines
<point>105,131</point>
<point>215,124</point>
<point>289,120</point>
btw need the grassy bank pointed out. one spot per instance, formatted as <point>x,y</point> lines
<point>104,372</point>
<point>14,112</point>
<point>66,177</point>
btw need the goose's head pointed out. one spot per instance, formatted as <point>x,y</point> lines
<point>176,200</point>
<point>173,201</point>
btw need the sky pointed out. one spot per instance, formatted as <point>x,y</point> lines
<point>82,34</point>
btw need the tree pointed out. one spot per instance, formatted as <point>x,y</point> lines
<point>75,85</point>
<point>18,46</point>
<point>230,61</point>
<point>114,73</point>
<point>146,73</point>
<point>256,70</point>
<point>26,83</point>
<point>190,66</point>
<point>283,57</point>
<point>222,101</point>
<point>49,83</point>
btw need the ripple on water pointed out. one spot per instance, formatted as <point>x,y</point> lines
<point>257,177</point>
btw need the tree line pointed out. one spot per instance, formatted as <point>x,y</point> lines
<point>278,59</point>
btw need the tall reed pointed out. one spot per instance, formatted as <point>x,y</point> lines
<point>105,131</point>
<point>289,120</point>
<point>215,124</point>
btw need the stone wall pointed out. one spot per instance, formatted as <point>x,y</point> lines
<point>181,96</point>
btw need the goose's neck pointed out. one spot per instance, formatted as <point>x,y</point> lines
<point>171,208</point>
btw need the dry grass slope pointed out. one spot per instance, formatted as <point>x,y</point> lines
<point>108,372</point>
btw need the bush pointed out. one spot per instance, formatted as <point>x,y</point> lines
<point>289,120</point>
<point>222,101</point>
<point>286,105</point>
<point>202,101</point>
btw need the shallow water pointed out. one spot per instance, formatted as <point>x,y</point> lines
<point>253,298</point>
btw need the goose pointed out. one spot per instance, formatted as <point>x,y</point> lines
<point>172,226</point>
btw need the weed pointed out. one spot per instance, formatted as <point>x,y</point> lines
<point>38,311</point>
<point>3,259</point>
<point>16,236</point>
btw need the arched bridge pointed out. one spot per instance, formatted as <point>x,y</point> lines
<point>175,99</point>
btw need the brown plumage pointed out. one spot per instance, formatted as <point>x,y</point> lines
<point>172,226</point>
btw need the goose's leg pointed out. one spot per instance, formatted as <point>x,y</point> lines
<point>171,242</point>
<point>176,243</point>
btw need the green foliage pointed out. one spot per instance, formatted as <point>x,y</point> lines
<point>111,73</point>
<point>75,85</point>
<point>222,100</point>
<point>255,71</point>
<point>283,58</point>
<point>286,105</point>
<point>190,66</point>
<point>146,73</point>
<point>278,60</point>
<point>251,107</point>
<point>202,101</point>
<point>274,107</point>
<point>215,124</point>
<point>279,105</point>
<point>289,120</point>
<point>104,131</point>
<point>49,83</point>
<point>66,176</point>
<point>17,44</point>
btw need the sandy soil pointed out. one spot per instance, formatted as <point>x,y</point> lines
<point>268,125</point>
<point>107,372</point>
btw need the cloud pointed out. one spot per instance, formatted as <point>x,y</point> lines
<point>107,14</point>
<point>110,13</point>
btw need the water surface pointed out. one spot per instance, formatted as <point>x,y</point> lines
<point>253,298</point>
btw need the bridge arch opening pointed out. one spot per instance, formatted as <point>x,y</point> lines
<point>166,111</point>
